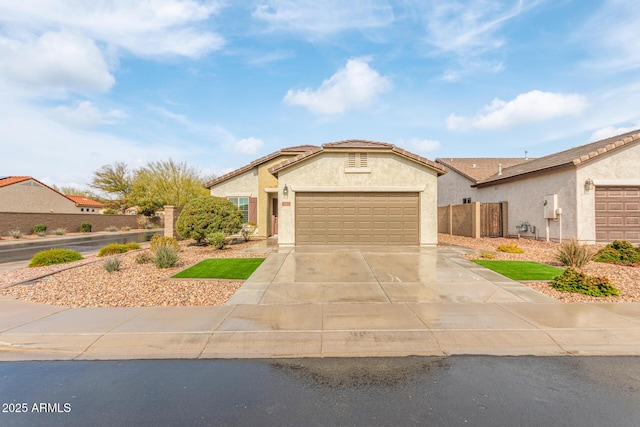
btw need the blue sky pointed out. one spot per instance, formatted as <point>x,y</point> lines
<point>218,84</point>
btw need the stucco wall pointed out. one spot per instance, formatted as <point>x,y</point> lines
<point>387,172</point>
<point>617,168</point>
<point>453,188</point>
<point>525,197</point>
<point>266,180</point>
<point>29,196</point>
<point>245,185</point>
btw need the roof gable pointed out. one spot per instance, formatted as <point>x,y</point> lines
<point>10,180</point>
<point>567,158</point>
<point>478,168</point>
<point>84,201</point>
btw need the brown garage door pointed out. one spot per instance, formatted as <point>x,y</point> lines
<point>357,218</point>
<point>618,214</point>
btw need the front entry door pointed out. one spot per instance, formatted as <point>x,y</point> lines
<point>274,216</point>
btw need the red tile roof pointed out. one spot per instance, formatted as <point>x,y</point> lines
<point>85,202</point>
<point>13,180</point>
<point>478,168</point>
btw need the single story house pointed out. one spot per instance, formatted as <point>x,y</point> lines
<point>350,192</point>
<point>27,194</point>
<point>590,192</point>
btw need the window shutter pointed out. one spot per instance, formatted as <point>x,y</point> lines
<point>253,209</point>
<point>363,160</point>
<point>352,160</point>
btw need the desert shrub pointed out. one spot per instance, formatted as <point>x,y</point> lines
<point>487,255</point>
<point>148,225</point>
<point>205,215</point>
<point>112,228</point>
<point>39,228</point>
<point>158,241</point>
<point>574,254</point>
<point>165,257</point>
<point>54,256</point>
<point>572,280</point>
<point>511,248</point>
<point>110,211</point>
<point>125,228</point>
<point>85,227</point>
<point>248,229</point>
<point>217,239</point>
<point>142,259</point>
<point>59,231</point>
<point>16,234</point>
<point>112,264</point>
<point>112,249</point>
<point>41,234</point>
<point>619,252</point>
<point>132,246</point>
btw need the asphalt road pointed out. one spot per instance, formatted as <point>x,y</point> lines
<point>453,391</point>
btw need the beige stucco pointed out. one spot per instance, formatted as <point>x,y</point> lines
<point>453,188</point>
<point>30,196</point>
<point>385,172</point>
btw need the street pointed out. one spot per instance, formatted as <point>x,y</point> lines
<point>460,390</point>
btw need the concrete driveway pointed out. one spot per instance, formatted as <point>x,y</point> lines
<point>330,274</point>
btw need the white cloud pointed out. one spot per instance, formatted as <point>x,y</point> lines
<point>354,86</point>
<point>249,145</point>
<point>86,114</point>
<point>530,107</point>
<point>609,131</point>
<point>56,60</point>
<point>420,145</point>
<point>320,18</point>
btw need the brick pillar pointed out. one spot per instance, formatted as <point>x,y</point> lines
<point>171,214</point>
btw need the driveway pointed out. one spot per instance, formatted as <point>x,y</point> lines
<point>330,274</point>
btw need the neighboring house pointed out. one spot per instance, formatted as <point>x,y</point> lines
<point>455,188</point>
<point>347,192</point>
<point>591,192</point>
<point>27,194</point>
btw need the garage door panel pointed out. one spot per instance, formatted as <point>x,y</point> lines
<point>357,218</point>
<point>617,211</point>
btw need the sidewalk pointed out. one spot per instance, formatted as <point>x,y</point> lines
<point>290,308</point>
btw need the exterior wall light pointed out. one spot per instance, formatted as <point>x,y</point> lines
<point>588,185</point>
<point>285,191</point>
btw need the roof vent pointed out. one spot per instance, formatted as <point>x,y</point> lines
<point>474,166</point>
<point>526,155</point>
<point>499,169</point>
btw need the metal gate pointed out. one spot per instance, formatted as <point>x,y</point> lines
<point>491,220</point>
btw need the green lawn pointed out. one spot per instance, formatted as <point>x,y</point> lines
<point>521,270</point>
<point>221,268</point>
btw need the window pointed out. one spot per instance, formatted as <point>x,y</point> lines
<point>466,200</point>
<point>243,204</point>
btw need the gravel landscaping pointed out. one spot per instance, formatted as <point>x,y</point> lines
<point>86,283</point>
<point>626,279</point>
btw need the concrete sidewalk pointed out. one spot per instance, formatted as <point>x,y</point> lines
<point>328,302</point>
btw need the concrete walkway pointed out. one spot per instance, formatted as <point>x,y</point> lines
<point>335,301</point>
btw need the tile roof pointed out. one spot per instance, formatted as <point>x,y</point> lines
<point>258,162</point>
<point>85,201</point>
<point>9,180</point>
<point>571,157</point>
<point>359,144</point>
<point>478,168</point>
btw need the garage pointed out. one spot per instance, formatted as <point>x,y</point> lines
<point>617,214</point>
<point>357,218</point>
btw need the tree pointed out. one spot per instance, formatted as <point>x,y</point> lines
<point>114,179</point>
<point>72,191</point>
<point>165,183</point>
<point>203,216</point>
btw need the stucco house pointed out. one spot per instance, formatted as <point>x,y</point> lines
<point>347,192</point>
<point>28,195</point>
<point>590,192</point>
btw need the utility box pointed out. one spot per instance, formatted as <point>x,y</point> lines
<point>550,206</point>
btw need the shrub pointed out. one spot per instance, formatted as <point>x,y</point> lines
<point>217,239</point>
<point>511,248</point>
<point>205,215</point>
<point>574,254</point>
<point>54,256</point>
<point>148,225</point>
<point>39,228</point>
<point>112,264</point>
<point>248,230</point>
<point>110,211</point>
<point>112,228</point>
<point>59,231</point>
<point>125,228</point>
<point>16,234</point>
<point>487,255</point>
<point>158,241</point>
<point>85,227</point>
<point>142,259</point>
<point>574,281</point>
<point>165,257</point>
<point>41,234</point>
<point>619,252</point>
<point>132,246</point>
<point>112,249</point>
